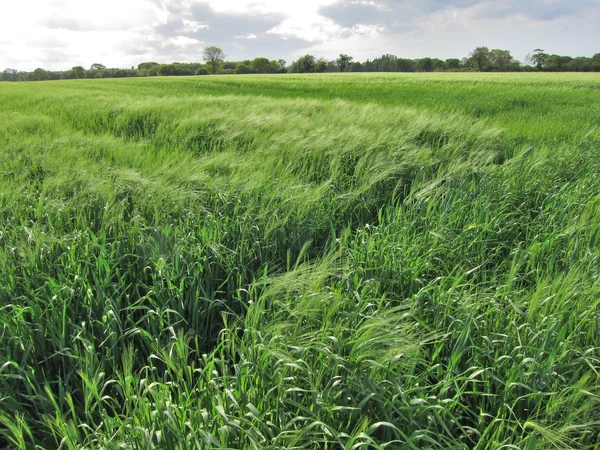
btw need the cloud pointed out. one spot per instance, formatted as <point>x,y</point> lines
<point>191,26</point>
<point>349,13</point>
<point>541,10</point>
<point>58,34</point>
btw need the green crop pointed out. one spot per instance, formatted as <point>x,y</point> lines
<point>334,261</point>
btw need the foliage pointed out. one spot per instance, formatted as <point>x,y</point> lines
<point>305,64</point>
<point>500,59</point>
<point>343,62</point>
<point>538,58</point>
<point>41,74</point>
<point>242,69</point>
<point>78,72</point>
<point>481,58</point>
<point>214,56</point>
<point>262,65</point>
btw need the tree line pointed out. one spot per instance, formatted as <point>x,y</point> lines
<point>481,59</point>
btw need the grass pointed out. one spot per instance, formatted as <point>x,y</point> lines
<point>328,262</point>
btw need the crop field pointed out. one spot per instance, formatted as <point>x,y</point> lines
<point>344,261</point>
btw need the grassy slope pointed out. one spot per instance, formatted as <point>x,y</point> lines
<point>300,261</point>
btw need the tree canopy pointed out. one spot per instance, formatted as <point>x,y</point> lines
<point>480,59</point>
<point>214,56</point>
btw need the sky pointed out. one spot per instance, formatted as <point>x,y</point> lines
<point>60,34</point>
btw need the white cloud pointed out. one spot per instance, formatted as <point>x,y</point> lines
<point>191,26</point>
<point>77,31</point>
<point>58,34</point>
<point>283,8</point>
<point>317,29</point>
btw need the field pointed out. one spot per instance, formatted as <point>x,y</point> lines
<point>345,261</point>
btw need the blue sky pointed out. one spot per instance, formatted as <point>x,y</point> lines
<point>59,34</point>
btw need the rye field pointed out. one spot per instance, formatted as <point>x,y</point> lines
<point>345,261</point>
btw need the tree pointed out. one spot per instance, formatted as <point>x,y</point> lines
<point>282,63</point>
<point>405,65</point>
<point>438,64</point>
<point>468,63</point>
<point>596,62</point>
<point>147,65</point>
<point>242,69</point>
<point>214,56</point>
<point>175,69</point>
<point>40,74</point>
<point>425,65</point>
<point>78,71</point>
<point>453,63</point>
<point>97,66</point>
<point>481,57</point>
<point>581,64</point>
<point>261,65</point>
<point>304,64</point>
<point>538,58</point>
<point>9,75</point>
<point>343,62</point>
<point>500,59</point>
<point>385,63</point>
<point>356,67</point>
<point>557,63</point>
<point>321,66</point>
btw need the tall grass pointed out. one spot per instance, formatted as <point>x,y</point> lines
<point>300,262</point>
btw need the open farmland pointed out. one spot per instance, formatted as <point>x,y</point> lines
<point>301,261</point>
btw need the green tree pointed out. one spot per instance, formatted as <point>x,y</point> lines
<point>242,69</point>
<point>97,66</point>
<point>356,67</point>
<point>261,65</point>
<point>481,57</point>
<point>425,65</point>
<point>500,59</point>
<point>214,56</point>
<point>10,75</point>
<point>304,64</point>
<point>557,63</point>
<point>343,62</point>
<point>405,65</point>
<point>78,71</point>
<point>581,64</point>
<point>40,74</point>
<point>147,65</point>
<point>596,62</point>
<point>438,64</point>
<point>320,66</point>
<point>453,63</point>
<point>538,58</point>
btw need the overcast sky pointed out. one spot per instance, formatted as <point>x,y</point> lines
<point>59,34</point>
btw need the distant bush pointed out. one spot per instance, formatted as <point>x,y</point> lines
<point>201,71</point>
<point>242,69</point>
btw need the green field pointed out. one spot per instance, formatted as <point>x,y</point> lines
<point>346,261</point>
